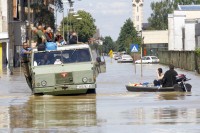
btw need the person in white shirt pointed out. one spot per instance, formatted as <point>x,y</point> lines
<point>58,61</point>
<point>160,75</point>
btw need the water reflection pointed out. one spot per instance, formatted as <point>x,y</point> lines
<point>52,111</point>
<point>166,115</point>
<point>172,115</point>
<point>172,95</point>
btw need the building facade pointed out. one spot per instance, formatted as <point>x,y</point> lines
<point>4,40</point>
<point>183,26</point>
<point>19,23</point>
<point>154,41</point>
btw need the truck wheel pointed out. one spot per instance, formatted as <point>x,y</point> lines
<point>29,82</point>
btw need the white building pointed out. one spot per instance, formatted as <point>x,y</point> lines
<point>137,14</point>
<point>182,26</point>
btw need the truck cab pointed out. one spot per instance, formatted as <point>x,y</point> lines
<point>70,69</point>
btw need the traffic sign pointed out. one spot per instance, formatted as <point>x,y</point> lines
<point>134,48</point>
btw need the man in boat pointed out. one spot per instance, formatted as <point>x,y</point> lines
<point>169,79</point>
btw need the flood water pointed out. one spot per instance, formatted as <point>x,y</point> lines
<point>111,110</point>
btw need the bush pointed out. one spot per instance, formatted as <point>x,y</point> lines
<point>197,51</point>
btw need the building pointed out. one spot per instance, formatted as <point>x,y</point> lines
<point>183,26</point>
<point>18,26</point>
<point>137,14</point>
<point>4,40</point>
<point>154,41</point>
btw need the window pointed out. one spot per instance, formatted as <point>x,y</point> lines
<point>64,57</point>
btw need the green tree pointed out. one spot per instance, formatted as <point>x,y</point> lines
<point>108,44</point>
<point>84,27</point>
<point>43,15</point>
<point>128,35</point>
<point>159,17</point>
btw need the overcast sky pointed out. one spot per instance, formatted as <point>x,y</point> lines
<point>110,15</point>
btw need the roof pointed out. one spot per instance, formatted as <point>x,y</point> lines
<point>189,7</point>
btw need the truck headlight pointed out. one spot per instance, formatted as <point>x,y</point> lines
<point>44,83</point>
<point>84,79</point>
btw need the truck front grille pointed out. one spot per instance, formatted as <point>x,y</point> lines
<point>64,78</point>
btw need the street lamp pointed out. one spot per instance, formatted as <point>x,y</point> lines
<point>75,14</point>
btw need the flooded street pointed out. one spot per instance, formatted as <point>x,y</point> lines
<point>112,110</point>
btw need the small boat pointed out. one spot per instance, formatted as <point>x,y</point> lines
<point>148,89</point>
<point>181,86</point>
<point>156,89</point>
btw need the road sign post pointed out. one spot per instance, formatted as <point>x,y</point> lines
<point>134,48</point>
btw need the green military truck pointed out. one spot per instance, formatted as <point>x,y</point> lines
<point>70,69</point>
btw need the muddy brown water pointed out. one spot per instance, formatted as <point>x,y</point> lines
<point>112,110</point>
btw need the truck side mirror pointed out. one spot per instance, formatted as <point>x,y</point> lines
<point>98,59</point>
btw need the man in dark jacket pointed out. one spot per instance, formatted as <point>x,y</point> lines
<point>169,78</point>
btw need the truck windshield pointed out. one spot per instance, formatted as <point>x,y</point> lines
<point>61,57</point>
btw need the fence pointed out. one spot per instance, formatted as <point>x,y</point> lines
<point>187,60</point>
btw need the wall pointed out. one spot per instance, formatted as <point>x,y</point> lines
<point>187,60</point>
<point>189,42</point>
<point>179,22</point>
<point>170,32</point>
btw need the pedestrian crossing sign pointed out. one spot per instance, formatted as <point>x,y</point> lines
<point>134,47</point>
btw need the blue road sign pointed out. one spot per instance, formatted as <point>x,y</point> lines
<point>134,47</point>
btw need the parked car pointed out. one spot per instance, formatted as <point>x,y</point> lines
<point>148,59</point>
<point>125,59</point>
<point>116,57</point>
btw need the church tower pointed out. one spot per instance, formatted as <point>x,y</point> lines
<point>138,14</point>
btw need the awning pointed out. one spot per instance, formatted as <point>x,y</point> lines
<point>4,37</point>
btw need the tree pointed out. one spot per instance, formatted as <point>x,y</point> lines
<point>108,44</point>
<point>84,27</point>
<point>127,36</point>
<point>159,17</point>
